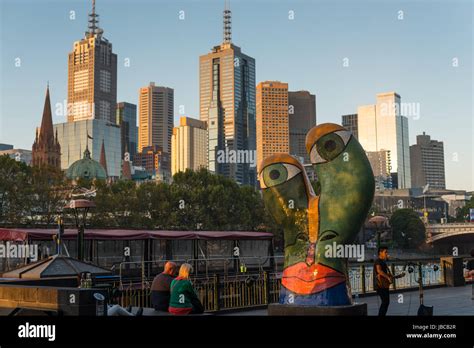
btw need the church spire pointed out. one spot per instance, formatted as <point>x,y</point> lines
<point>103,159</point>
<point>46,149</point>
<point>46,132</point>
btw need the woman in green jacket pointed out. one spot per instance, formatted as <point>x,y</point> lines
<point>183,298</point>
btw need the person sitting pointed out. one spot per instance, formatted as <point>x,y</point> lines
<point>160,288</point>
<point>116,310</point>
<point>183,298</point>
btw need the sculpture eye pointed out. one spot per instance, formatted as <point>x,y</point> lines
<point>327,235</point>
<point>278,173</point>
<point>329,146</point>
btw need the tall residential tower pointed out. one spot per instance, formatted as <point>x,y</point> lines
<point>427,162</point>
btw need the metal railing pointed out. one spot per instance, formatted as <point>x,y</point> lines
<point>223,292</point>
<point>216,293</point>
<point>362,279</point>
<point>205,267</point>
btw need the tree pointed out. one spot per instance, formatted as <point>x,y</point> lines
<point>214,202</point>
<point>408,231</point>
<point>48,194</point>
<point>462,214</point>
<point>195,200</point>
<point>15,179</point>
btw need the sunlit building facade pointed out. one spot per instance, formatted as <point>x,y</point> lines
<point>155,117</point>
<point>272,120</point>
<point>92,76</point>
<point>381,127</point>
<point>189,145</point>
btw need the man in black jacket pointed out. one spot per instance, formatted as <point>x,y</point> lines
<point>160,288</point>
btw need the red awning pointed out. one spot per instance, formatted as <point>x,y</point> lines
<point>46,234</point>
<point>12,235</point>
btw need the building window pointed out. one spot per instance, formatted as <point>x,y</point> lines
<point>105,82</point>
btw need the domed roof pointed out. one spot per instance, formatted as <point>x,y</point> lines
<point>86,168</point>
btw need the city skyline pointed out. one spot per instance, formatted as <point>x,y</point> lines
<point>435,121</point>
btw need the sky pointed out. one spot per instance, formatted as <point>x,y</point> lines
<point>345,52</point>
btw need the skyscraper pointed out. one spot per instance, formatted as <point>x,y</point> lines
<point>155,116</point>
<point>427,162</point>
<point>92,76</point>
<point>46,149</point>
<point>92,101</point>
<point>272,120</point>
<point>350,123</point>
<point>302,117</point>
<point>189,145</point>
<point>227,104</point>
<point>127,120</point>
<point>381,127</point>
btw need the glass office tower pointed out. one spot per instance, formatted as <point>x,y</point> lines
<point>227,104</point>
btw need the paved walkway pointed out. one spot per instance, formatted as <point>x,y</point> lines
<point>446,301</point>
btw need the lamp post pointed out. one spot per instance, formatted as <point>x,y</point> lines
<point>59,235</point>
<point>80,207</point>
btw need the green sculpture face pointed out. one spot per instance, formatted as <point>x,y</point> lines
<point>286,196</point>
<point>346,186</point>
<point>312,222</point>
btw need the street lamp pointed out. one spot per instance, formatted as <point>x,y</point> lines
<point>81,208</point>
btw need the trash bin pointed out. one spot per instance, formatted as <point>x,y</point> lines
<point>100,305</point>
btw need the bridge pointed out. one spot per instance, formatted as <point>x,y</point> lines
<point>436,232</point>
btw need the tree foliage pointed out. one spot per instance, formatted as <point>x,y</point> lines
<point>31,196</point>
<point>408,231</point>
<point>462,214</point>
<point>195,200</point>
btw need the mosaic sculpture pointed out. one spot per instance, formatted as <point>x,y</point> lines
<point>330,214</point>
